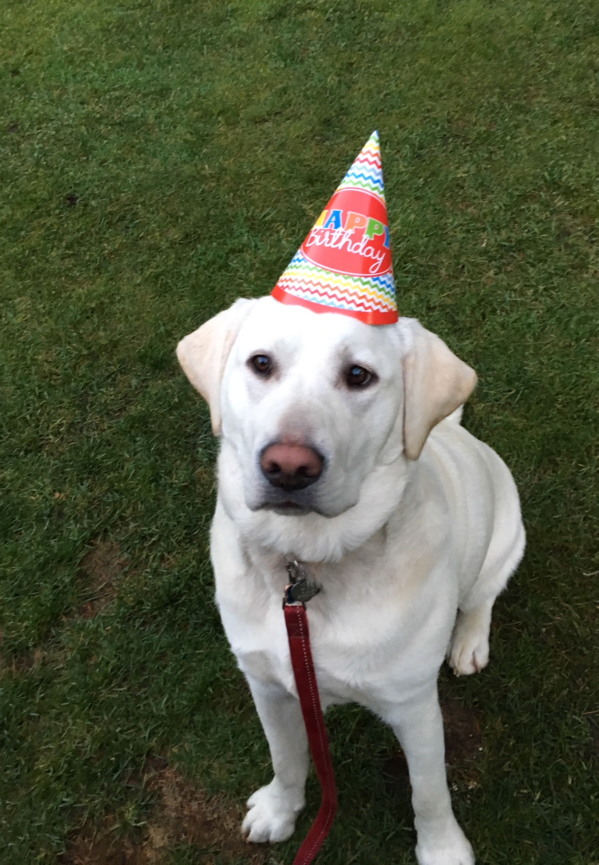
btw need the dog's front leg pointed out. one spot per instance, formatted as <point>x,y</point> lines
<point>418,725</point>
<point>273,809</point>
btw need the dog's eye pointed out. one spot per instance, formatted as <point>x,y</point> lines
<point>261,364</point>
<point>359,377</point>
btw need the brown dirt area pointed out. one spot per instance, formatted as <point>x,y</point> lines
<point>463,737</point>
<point>99,574</point>
<point>182,815</point>
<point>185,815</point>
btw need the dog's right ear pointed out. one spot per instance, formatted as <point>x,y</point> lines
<point>436,383</point>
<point>203,354</point>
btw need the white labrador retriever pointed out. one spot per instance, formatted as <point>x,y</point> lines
<point>342,447</point>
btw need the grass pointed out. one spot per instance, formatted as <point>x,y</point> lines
<point>159,160</point>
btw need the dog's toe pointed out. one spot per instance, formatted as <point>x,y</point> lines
<point>469,649</point>
<point>270,818</point>
<point>467,659</point>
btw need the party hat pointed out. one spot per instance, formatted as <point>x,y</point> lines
<point>344,264</point>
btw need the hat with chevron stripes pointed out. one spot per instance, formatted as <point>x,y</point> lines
<point>344,264</point>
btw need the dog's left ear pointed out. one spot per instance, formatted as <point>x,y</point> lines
<point>436,383</point>
<point>203,354</point>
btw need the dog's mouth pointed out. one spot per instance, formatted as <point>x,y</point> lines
<point>287,508</point>
<point>294,505</point>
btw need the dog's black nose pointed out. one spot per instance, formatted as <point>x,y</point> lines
<point>290,466</point>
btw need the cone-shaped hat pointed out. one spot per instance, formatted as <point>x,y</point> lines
<point>344,264</point>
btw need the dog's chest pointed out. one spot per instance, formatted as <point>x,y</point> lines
<point>345,674</point>
<point>360,649</point>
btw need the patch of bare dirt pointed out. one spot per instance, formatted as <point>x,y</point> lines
<point>99,847</point>
<point>463,745</point>
<point>182,814</point>
<point>186,814</point>
<point>463,737</point>
<point>99,574</point>
<point>25,663</point>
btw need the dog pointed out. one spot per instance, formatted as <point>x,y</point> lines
<point>342,447</point>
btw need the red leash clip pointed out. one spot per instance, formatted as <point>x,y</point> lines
<point>297,594</point>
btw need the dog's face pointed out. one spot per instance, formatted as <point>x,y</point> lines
<point>313,405</point>
<point>309,403</point>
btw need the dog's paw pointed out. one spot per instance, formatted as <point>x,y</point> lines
<point>469,657</point>
<point>447,848</point>
<point>469,649</point>
<point>271,814</point>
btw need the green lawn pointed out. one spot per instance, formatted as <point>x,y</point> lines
<point>159,159</point>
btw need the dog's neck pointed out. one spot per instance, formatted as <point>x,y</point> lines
<point>271,568</point>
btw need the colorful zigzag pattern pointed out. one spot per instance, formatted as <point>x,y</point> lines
<point>366,171</point>
<point>306,279</point>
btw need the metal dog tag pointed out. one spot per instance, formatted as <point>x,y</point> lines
<point>301,589</point>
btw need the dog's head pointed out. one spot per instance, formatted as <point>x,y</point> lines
<point>312,407</point>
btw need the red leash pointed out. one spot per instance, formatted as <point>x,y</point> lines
<point>298,633</point>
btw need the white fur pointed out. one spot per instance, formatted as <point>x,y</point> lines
<point>412,520</point>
